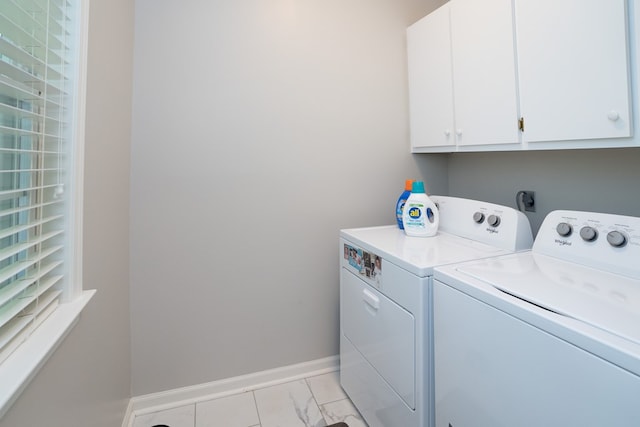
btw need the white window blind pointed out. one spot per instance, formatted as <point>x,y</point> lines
<point>37,90</point>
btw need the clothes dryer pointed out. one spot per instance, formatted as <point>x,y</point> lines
<point>385,304</point>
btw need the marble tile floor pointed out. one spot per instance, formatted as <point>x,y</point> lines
<point>310,402</point>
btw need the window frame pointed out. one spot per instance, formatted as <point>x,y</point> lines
<point>23,364</point>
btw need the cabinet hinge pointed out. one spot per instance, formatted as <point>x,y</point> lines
<point>521,124</point>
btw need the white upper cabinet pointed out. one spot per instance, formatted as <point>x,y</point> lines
<point>479,69</point>
<point>484,72</point>
<point>462,76</point>
<point>573,69</point>
<point>430,83</point>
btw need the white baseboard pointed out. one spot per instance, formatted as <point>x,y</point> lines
<point>154,402</point>
<point>128,415</point>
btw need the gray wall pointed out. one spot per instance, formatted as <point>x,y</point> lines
<point>298,112</point>
<point>605,180</point>
<point>87,381</point>
<point>260,128</point>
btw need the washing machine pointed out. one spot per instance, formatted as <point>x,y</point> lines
<point>548,337</point>
<point>385,304</point>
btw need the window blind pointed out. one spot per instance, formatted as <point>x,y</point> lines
<point>36,88</point>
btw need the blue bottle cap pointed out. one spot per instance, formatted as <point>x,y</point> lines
<point>417,187</point>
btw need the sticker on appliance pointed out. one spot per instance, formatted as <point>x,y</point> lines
<point>366,263</point>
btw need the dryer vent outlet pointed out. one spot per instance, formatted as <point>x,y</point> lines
<point>526,200</point>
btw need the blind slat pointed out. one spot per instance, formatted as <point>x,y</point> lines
<point>25,151</point>
<point>27,77</point>
<point>47,303</point>
<point>14,250</point>
<point>10,292</point>
<point>18,304</point>
<point>20,93</point>
<point>28,171</point>
<point>24,227</point>
<point>20,267</point>
<point>5,130</point>
<point>15,21</point>
<point>20,114</point>
<point>15,191</point>
<point>25,209</point>
<point>14,332</point>
<point>21,57</point>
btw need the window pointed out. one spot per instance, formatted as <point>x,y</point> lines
<point>41,116</point>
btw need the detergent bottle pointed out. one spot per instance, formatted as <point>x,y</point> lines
<point>401,201</point>
<point>420,216</point>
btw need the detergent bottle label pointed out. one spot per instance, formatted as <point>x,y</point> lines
<point>421,217</point>
<point>416,218</point>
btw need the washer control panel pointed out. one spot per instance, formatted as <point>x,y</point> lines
<point>606,241</point>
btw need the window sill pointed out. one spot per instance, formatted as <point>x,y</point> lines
<point>24,363</point>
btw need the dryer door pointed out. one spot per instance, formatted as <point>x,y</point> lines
<point>382,331</point>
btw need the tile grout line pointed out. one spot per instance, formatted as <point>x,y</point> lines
<point>308,382</point>
<point>255,403</point>
<point>313,395</point>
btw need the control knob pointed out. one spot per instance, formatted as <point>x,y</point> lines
<point>564,229</point>
<point>588,234</point>
<point>493,220</point>
<point>478,217</point>
<point>616,239</point>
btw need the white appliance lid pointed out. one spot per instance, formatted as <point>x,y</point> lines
<point>604,300</point>
<point>418,255</point>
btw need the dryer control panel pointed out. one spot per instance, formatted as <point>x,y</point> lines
<point>605,241</point>
<point>485,222</point>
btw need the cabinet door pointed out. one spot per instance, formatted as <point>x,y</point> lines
<point>484,72</point>
<point>430,84</point>
<point>573,69</point>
